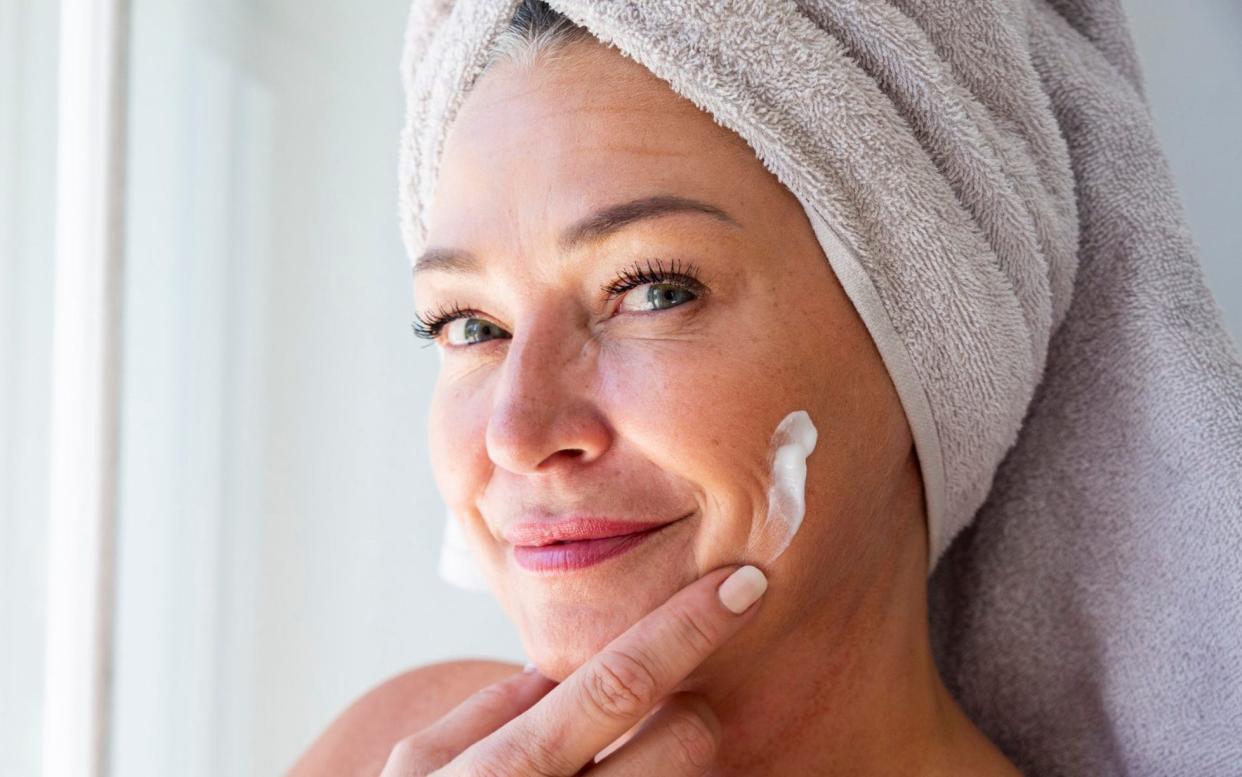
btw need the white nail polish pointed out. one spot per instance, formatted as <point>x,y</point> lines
<point>742,588</point>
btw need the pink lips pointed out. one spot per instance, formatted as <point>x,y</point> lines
<point>576,542</point>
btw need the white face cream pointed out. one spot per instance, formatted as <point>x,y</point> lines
<point>792,443</point>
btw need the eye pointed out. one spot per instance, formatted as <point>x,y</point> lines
<point>464,327</point>
<point>657,296</point>
<point>654,286</point>
<point>469,331</point>
<point>651,287</point>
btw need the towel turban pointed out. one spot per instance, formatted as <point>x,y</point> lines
<point>984,178</point>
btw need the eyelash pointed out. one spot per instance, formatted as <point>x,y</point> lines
<point>678,274</point>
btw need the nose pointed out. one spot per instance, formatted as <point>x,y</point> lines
<point>544,415</point>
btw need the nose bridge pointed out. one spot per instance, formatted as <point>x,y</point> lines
<point>542,409</point>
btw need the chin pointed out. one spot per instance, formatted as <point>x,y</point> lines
<point>559,651</point>
<point>566,618</point>
<point>562,627</point>
<point>556,664</point>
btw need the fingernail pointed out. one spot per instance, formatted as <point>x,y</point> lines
<point>742,588</point>
<point>530,667</point>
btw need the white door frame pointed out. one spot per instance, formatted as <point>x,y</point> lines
<point>85,372</point>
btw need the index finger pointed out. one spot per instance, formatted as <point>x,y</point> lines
<point>608,695</point>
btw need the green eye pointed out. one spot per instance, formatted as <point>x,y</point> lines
<point>666,286</point>
<point>658,296</point>
<point>463,325</point>
<point>468,331</point>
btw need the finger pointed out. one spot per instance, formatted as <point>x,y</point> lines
<point>473,719</point>
<point>612,691</point>
<point>679,740</point>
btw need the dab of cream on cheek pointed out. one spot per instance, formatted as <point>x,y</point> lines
<point>792,442</point>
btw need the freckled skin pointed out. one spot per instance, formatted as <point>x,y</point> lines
<point>662,413</point>
<point>642,395</point>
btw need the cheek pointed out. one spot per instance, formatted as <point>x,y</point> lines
<point>690,409</point>
<point>456,439</point>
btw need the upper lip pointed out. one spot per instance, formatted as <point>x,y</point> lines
<point>575,529</point>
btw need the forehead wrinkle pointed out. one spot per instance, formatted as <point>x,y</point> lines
<point>586,126</point>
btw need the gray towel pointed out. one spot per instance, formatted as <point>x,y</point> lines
<point>984,178</point>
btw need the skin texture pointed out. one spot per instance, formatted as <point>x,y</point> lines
<point>584,404</point>
<point>651,414</point>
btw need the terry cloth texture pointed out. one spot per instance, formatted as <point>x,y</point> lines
<point>985,180</point>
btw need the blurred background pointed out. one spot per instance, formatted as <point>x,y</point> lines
<point>277,527</point>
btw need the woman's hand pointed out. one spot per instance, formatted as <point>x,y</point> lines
<point>529,725</point>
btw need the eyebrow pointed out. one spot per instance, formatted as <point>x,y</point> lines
<point>590,229</point>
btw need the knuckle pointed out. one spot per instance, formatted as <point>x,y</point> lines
<point>541,758</point>
<point>487,768</point>
<point>493,698</point>
<point>621,686</point>
<point>530,759</point>
<point>694,742</point>
<point>481,768</point>
<point>415,754</point>
<point>404,747</point>
<point>405,751</point>
<point>698,633</point>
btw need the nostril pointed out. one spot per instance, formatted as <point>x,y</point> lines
<point>566,457</point>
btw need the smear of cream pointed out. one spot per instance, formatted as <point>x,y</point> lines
<point>792,442</point>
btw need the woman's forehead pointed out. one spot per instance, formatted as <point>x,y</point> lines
<point>579,116</point>
<point>548,149</point>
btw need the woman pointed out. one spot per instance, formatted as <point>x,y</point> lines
<point>629,303</point>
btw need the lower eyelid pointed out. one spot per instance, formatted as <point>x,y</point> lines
<point>686,307</point>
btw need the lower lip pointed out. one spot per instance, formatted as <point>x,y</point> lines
<point>567,556</point>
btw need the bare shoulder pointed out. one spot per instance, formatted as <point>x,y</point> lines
<point>359,740</point>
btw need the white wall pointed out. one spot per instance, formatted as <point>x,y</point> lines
<point>28,71</point>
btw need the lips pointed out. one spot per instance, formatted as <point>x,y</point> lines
<point>578,542</point>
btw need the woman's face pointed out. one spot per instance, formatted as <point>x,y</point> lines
<point>657,399</point>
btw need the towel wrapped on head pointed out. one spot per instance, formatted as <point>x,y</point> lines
<point>985,180</point>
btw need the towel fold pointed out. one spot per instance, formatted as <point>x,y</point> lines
<point>984,178</point>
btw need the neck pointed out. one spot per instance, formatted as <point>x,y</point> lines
<point>853,695</point>
<point>851,691</point>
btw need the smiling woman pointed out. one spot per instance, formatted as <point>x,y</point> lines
<point>574,386</point>
<point>629,304</point>
<point>697,278</point>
